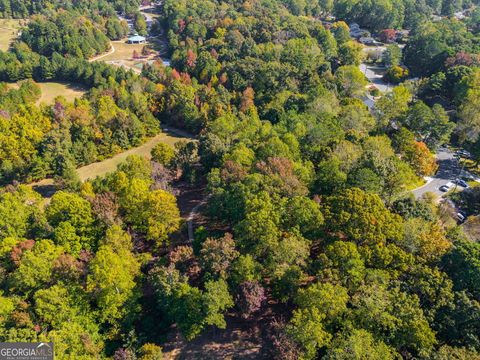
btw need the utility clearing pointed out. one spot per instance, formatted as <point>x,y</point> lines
<point>9,29</point>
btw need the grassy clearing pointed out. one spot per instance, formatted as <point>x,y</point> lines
<point>110,165</point>
<point>8,32</point>
<point>50,90</point>
<point>415,184</point>
<point>123,51</point>
<point>47,188</point>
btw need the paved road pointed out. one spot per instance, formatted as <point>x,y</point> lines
<point>448,170</point>
<point>374,74</point>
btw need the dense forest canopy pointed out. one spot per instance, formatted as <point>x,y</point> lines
<point>311,236</point>
<point>23,8</point>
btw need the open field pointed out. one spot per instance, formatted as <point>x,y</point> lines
<point>123,51</point>
<point>121,55</point>
<point>8,32</point>
<point>50,90</point>
<point>109,165</point>
<point>47,187</point>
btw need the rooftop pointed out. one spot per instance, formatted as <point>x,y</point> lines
<point>136,38</point>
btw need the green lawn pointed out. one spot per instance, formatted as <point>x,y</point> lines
<point>50,90</point>
<point>8,32</point>
<point>109,165</point>
<point>47,188</point>
<point>123,51</point>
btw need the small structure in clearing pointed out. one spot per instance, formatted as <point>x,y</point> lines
<point>136,39</point>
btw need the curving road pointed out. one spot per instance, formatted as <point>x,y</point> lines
<point>449,169</point>
<point>110,52</point>
<point>192,216</point>
<point>374,74</point>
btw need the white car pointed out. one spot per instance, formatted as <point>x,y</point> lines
<point>447,187</point>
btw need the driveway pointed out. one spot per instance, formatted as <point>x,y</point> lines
<point>374,74</point>
<point>448,169</point>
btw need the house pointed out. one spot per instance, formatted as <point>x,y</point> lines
<point>357,32</point>
<point>367,40</point>
<point>459,15</point>
<point>402,34</point>
<point>354,27</point>
<point>136,39</point>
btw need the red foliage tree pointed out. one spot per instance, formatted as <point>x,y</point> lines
<point>175,74</point>
<point>247,99</point>
<point>462,58</point>
<point>281,174</point>
<point>223,78</point>
<point>191,58</point>
<point>387,35</point>
<point>250,298</point>
<point>19,249</point>
<point>181,25</point>
<point>106,207</point>
<point>214,53</point>
<point>67,267</point>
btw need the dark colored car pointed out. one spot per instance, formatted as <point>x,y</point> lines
<point>461,182</point>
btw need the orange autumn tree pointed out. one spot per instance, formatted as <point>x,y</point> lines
<point>421,159</point>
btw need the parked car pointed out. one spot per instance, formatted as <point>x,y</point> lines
<point>464,153</point>
<point>444,188</point>
<point>461,182</point>
<point>461,216</point>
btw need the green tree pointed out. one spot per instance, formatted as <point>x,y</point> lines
<point>112,281</point>
<point>384,311</point>
<point>36,267</point>
<point>306,328</point>
<point>140,24</point>
<point>73,222</point>
<point>392,55</point>
<point>216,300</point>
<point>462,264</point>
<point>330,300</point>
<point>150,351</point>
<point>359,344</point>
<point>350,53</point>
<point>217,255</point>
<point>350,80</point>
<point>393,105</point>
<point>355,119</point>
<point>19,210</point>
<point>163,154</point>
<point>361,217</point>
<point>343,262</point>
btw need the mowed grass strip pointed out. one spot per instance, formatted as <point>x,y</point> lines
<point>8,32</point>
<point>107,166</point>
<point>47,188</point>
<point>123,51</point>
<point>50,90</point>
